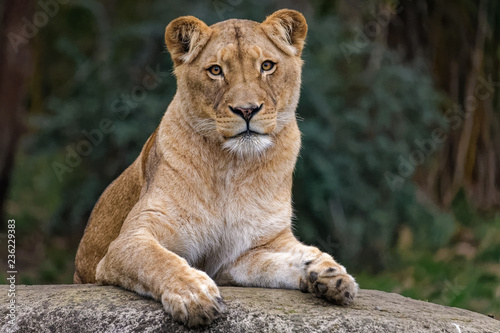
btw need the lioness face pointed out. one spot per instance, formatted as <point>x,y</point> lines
<point>243,81</point>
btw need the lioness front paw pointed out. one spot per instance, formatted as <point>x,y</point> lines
<point>193,299</point>
<point>330,281</point>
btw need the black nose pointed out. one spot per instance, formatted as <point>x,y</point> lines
<point>246,112</point>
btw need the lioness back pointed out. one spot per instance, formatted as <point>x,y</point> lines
<point>108,216</point>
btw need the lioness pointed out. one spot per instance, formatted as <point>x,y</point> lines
<point>208,200</point>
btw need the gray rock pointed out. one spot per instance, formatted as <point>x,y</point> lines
<point>90,308</point>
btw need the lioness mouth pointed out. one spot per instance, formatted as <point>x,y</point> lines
<point>247,133</point>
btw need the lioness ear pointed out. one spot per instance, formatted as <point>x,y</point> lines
<point>185,38</point>
<point>287,29</point>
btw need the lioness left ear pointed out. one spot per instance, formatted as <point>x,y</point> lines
<point>287,29</point>
<point>185,38</point>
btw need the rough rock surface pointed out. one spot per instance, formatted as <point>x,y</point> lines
<point>90,308</point>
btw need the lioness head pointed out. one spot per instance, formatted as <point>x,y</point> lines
<point>239,80</point>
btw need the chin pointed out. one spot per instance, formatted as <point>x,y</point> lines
<point>248,145</point>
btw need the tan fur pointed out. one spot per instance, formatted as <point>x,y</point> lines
<point>209,198</point>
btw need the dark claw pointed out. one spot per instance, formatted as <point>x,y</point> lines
<point>322,288</point>
<point>347,295</point>
<point>339,282</point>
<point>313,277</point>
<point>331,270</point>
<point>303,286</point>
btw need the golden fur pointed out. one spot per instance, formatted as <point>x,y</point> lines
<point>209,198</point>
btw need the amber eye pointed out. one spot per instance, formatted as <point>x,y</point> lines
<point>215,70</point>
<point>267,65</point>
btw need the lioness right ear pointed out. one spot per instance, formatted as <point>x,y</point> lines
<point>287,29</point>
<point>185,38</point>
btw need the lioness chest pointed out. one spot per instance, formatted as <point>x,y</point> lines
<point>210,218</point>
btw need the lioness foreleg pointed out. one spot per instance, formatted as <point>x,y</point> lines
<point>138,262</point>
<point>286,263</point>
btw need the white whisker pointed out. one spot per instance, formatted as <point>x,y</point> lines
<point>205,126</point>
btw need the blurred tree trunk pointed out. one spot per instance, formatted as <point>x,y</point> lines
<point>15,70</point>
<point>461,42</point>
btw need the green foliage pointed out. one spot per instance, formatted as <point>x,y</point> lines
<point>98,77</point>
<point>358,122</point>
<point>463,274</point>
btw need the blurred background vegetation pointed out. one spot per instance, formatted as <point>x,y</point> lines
<point>399,174</point>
